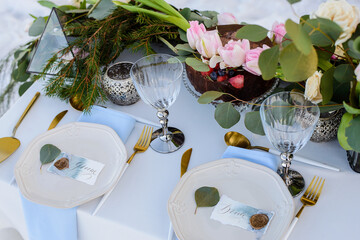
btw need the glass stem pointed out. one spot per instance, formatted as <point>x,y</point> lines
<point>286,162</point>
<point>162,115</point>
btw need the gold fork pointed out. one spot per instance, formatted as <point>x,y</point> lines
<point>141,146</point>
<point>143,143</point>
<point>310,198</point>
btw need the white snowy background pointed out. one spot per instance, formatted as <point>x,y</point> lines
<point>15,18</point>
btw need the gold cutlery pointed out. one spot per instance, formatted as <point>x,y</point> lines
<point>141,146</point>
<point>57,119</point>
<point>310,198</point>
<point>185,159</point>
<point>8,145</point>
<point>238,140</point>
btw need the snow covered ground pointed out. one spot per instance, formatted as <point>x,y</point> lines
<point>15,18</point>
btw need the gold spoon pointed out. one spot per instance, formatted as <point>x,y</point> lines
<point>8,145</point>
<point>238,140</point>
<point>76,103</point>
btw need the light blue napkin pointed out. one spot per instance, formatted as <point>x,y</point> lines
<point>267,159</point>
<point>48,223</point>
<point>122,123</point>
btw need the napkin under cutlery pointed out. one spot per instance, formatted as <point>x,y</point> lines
<point>43,222</point>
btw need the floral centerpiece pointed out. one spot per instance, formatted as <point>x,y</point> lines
<point>319,54</point>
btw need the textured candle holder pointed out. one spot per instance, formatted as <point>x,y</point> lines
<point>118,86</point>
<point>327,126</point>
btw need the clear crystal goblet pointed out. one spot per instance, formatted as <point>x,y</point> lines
<point>289,121</point>
<point>157,79</point>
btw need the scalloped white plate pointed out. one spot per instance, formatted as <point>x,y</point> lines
<point>89,140</point>
<point>241,180</point>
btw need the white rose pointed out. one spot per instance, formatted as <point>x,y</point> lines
<point>341,12</point>
<point>312,88</point>
<point>357,73</point>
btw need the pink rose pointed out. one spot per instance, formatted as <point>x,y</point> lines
<point>194,33</point>
<point>237,81</point>
<point>226,18</point>
<point>252,60</point>
<point>233,53</point>
<point>357,73</point>
<point>209,43</point>
<point>278,31</point>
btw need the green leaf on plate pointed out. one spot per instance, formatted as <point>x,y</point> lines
<point>326,85</point>
<point>268,62</point>
<point>253,123</point>
<point>254,33</point>
<point>48,153</point>
<point>297,66</point>
<point>209,96</point>
<point>344,73</point>
<point>300,38</point>
<point>226,115</point>
<point>197,65</point>
<point>206,197</point>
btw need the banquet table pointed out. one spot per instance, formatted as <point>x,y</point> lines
<point>137,208</point>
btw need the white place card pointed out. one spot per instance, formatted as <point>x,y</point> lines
<point>234,213</point>
<point>78,168</point>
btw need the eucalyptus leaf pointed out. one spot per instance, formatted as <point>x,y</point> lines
<point>351,49</point>
<point>300,38</point>
<point>356,44</point>
<point>323,32</point>
<point>326,85</point>
<point>226,115</point>
<point>197,65</point>
<point>254,33</point>
<point>253,123</point>
<point>206,197</point>
<point>104,9</point>
<point>268,62</point>
<point>351,109</point>
<point>209,14</point>
<point>25,86</point>
<point>344,124</point>
<point>48,153</point>
<point>196,17</point>
<point>352,133</point>
<point>209,96</point>
<point>37,27</point>
<point>344,73</point>
<point>185,47</point>
<point>293,1</point>
<point>331,106</point>
<point>182,35</point>
<point>186,13</point>
<point>66,8</point>
<point>47,4</point>
<point>297,66</point>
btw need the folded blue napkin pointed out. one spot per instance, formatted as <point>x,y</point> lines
<point>267,159</point>
<point>48,223</point>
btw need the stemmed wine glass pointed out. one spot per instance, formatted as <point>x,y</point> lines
<point>289,121</point>
<point>157,79</point>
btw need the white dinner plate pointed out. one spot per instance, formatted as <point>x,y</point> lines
<point>93,141</point>
<point>243,181</point>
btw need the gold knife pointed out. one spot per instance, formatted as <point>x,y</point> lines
<point>185,159</point>
<point>57,119</point>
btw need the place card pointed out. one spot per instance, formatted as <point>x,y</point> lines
<point>234,213</point>
<point>79,168</point>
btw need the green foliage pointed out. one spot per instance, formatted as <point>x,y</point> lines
<point>102,10</point>
<point>226,115</point>
<point>293,1</point>
<point>344,124</point>
<point>352,133</point>
<point>254,33</point>
<point>323,32</point>
<point>300,38</point>
<point>206,197</point>
<point>268,62</point>
<point>326,85</point>
<point>47,4</point>
<point>344,73</point>
<point>37,27</point>
<point>25,86</point>
<point>351,109</point>
<point>185,47</point>
<point>253,123</point>
<point>297,66</point>
<point>197,64</point>
<point>209,96</point>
